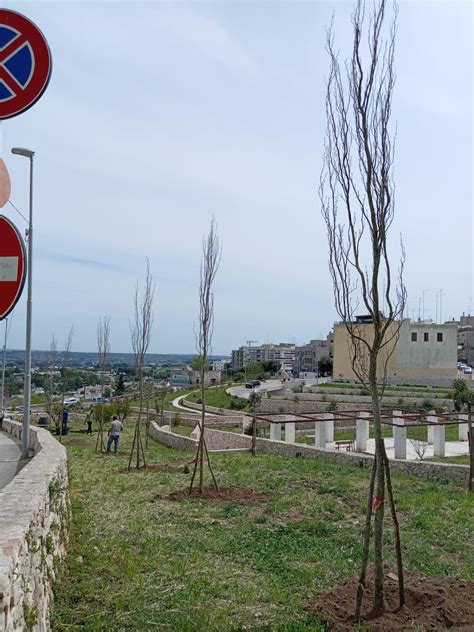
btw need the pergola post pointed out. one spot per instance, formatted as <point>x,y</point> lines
<point>399,435</point>
<point>275,432</point>
<point>362,432</point>
<point>329,417</point>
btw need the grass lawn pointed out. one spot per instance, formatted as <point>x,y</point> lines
<point>136,563</point>
<point>219,398</point>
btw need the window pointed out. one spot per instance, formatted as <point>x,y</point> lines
<point>439,336</point>
<point>426,337</point>
<point>414,336</point>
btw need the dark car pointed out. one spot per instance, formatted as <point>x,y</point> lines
<point>252,384</point>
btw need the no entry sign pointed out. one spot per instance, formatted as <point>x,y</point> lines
<point>12,266</point>
<point>25,63</point>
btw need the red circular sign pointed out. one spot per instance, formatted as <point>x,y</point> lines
<point>12,266</point>
<point>25,63</point>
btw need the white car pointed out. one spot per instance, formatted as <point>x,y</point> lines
<point>71,401</point>
<point>467,369</point>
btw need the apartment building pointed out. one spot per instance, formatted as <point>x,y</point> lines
<point>423,350</point>
<point>282,353</point>
<point>307,357</point>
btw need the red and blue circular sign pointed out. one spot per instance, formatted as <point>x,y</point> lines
<point>25,63</point>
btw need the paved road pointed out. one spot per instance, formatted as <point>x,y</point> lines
<point>10,458</point>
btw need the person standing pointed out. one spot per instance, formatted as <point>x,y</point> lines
<point>89,420</point>
<point>114,434</point>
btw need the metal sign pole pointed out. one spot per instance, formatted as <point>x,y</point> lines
<point>27,153</point>
<point>3,367</point>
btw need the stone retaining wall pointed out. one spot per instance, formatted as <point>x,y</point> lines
<point>215,439</point>
<point>34,527</point>
<point>367,400</point>
<point>221,440</point>
<point>210,409</point>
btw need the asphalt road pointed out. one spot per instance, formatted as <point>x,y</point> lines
<point>10,459</point>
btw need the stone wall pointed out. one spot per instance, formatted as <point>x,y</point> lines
<point>210,409</point>
<point>221,440</point>
<point>215,439</point>
<point>392,401</point>
<point>34,527</point>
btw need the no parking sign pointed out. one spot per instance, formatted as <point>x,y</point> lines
<point>25,63</point>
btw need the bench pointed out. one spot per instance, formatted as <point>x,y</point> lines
<point>348,444</point>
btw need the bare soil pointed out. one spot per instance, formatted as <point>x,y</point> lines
<point>236,494</point>
<point>431,604</point>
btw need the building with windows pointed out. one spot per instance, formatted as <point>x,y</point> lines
<point>282,353</point>
<point>308,357</point>
<point>423,350</point>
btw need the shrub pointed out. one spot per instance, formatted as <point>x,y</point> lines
<point>427,404</point>
<point>332,405</point>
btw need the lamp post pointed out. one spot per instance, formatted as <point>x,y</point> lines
<point>28,153</point>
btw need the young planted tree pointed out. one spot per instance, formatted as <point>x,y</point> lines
<point>103,348</point>
<point>211,254</point>
<point>463,399</point>
<point>49,382</point>
<point>64,376</point>
<point>140,331</point>
<point>255,400</point>
<point>357,197</point>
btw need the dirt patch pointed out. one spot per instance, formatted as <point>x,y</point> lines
<point>235,494</point>
<point>182,469</point>
<point>77,441</point>
<point>431,604</point>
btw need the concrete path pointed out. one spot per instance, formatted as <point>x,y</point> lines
<point>10,459</point>
<point>452,448</point>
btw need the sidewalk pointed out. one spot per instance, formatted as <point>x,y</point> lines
<point>10,459</point>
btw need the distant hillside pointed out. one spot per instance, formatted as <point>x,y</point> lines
<point>88,359</point>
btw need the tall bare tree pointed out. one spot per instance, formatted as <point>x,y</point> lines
<point>140,331</point>
<point>358,203</point>
<point>49,382</point>
<point>211,254</point>
<point>64,375</point>
<point>103,348</point>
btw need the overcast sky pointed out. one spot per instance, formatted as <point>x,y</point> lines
<point>159,114</point>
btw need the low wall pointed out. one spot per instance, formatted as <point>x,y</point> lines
<point>210,409</point>
<point>34,527</point>
<point>387,400</point>
<point>222,440</point>
<point>215,439</point>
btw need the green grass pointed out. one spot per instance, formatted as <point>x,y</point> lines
<point>217,397</point>
<point>139,563</point>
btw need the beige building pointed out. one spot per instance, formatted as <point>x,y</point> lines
<point>423,350</point>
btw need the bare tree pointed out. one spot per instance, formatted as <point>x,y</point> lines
<point>418,441</point>
<point>211,254</point>
<point>103,348</point>
<point>357,196</point>
<point>49,383</point>
<point>140,331</point>
<point>64,376</point>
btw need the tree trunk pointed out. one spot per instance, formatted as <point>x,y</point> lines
<point>254,435</point>
<point>379,498</point>
<point>470,438</point>
<point>365,554</point>
<point>203,416</point>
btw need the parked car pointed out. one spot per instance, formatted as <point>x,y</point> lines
<point>467,369</point>
<point>98,399</point>
<point>252,384</point>
<point>71,401</point>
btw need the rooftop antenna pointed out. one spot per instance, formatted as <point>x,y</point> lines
<point>249,342</point>
<point>441,306</point>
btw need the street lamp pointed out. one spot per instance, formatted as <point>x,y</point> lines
<point>28,153</point>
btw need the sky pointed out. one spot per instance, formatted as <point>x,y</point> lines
<point>160,114</point>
